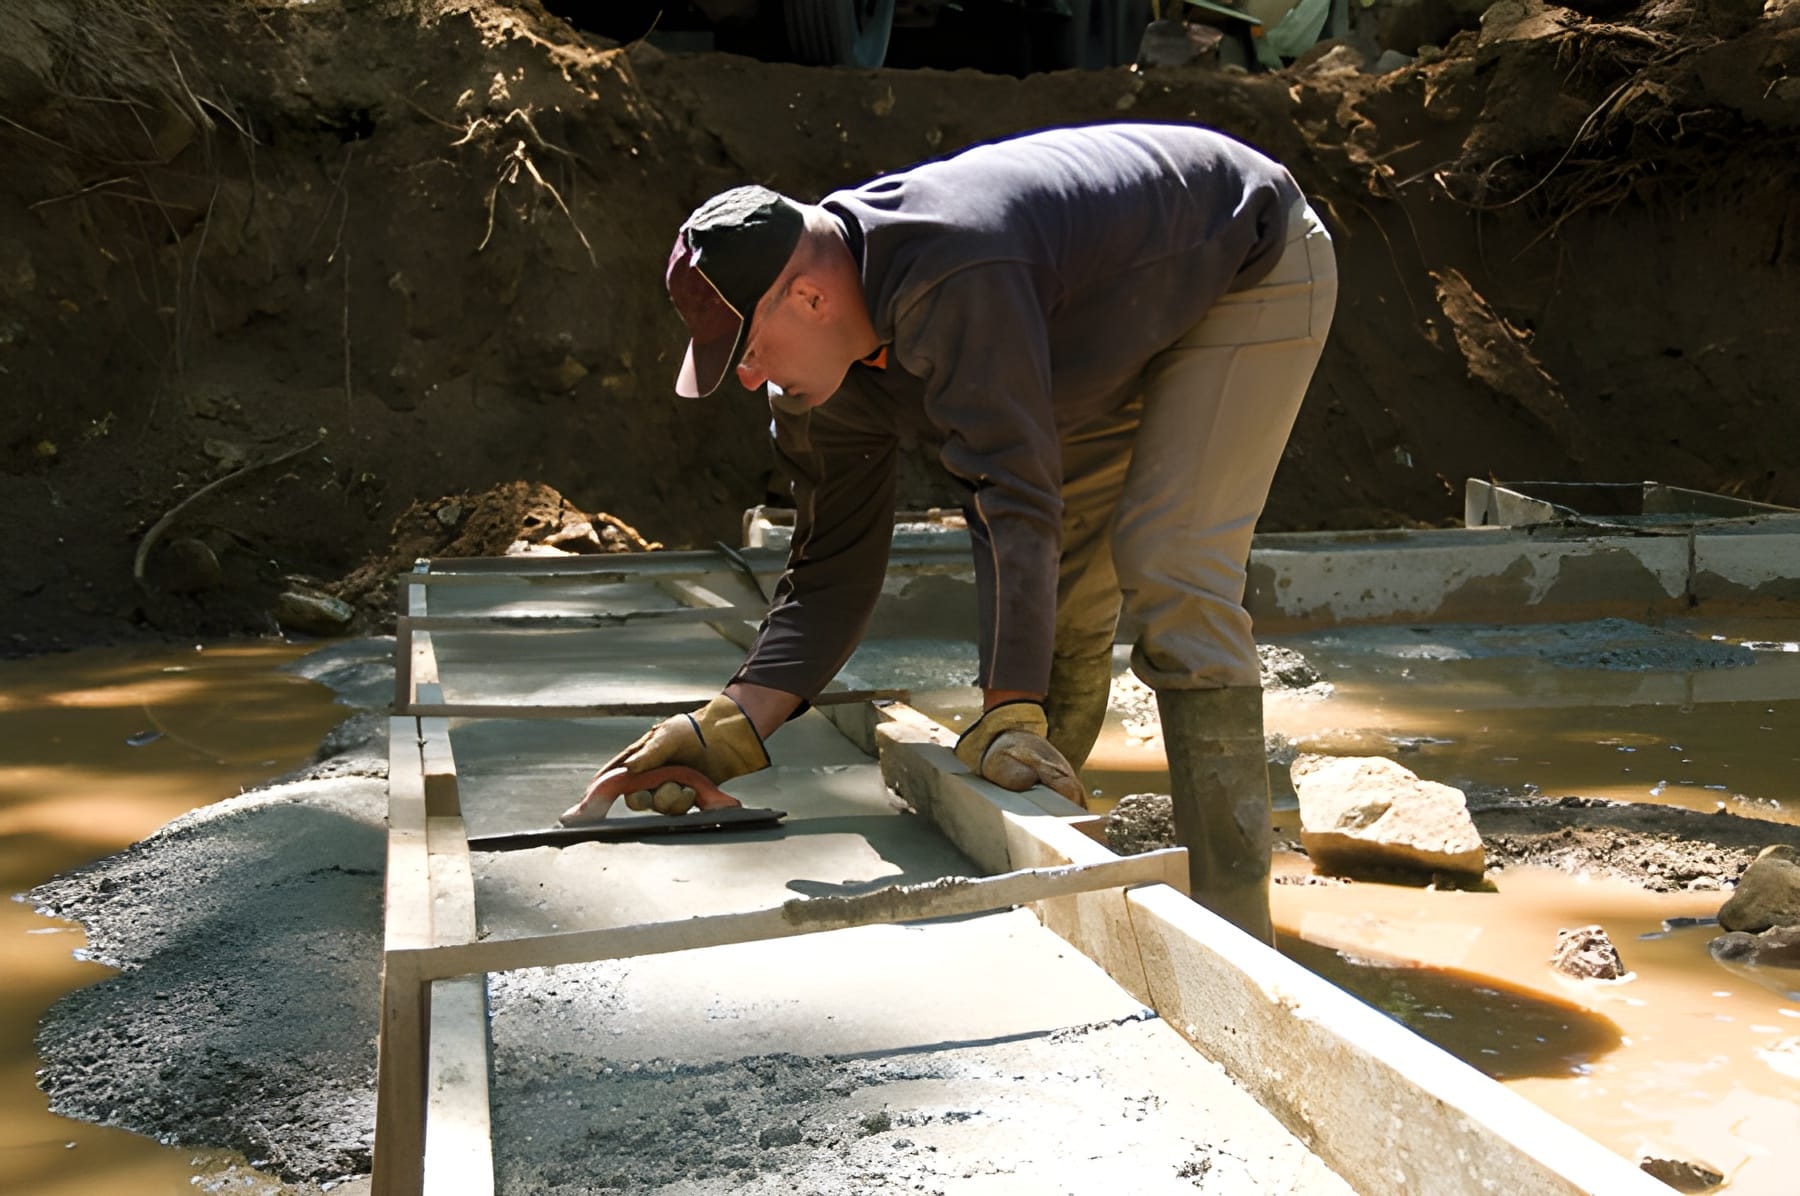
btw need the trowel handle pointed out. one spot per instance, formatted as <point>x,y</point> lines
<point>614,783</point>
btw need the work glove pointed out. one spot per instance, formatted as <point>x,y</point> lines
<point>1007,746</point>
<point>717,742</point>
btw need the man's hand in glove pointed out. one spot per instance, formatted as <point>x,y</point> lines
<point>677,764</point>
<point>1007,746</point>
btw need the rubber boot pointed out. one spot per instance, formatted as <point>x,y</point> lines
<point>1076,703</point>
<point>1219,786</point>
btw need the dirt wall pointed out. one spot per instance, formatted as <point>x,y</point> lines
<point>422,243</point>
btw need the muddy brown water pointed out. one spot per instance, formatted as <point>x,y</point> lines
<point>1686,1059</point>
<point>97,750</point>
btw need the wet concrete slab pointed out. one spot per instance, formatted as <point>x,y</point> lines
<point>1090,1108</point>
<point>964,1052</point>
<point>547,668</point>
<point>917,987</point>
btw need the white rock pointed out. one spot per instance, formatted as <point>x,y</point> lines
<point>1362,812</point>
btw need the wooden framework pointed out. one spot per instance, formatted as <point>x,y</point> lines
<point>1401,1114</point>
<point>432,1115</point>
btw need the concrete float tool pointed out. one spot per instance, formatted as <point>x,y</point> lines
<point>714,810</point>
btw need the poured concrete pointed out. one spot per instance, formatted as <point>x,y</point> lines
<point>547,668</point>
<point>1043,1108</point>
<point>1474,575</point>
<point>961,1052</point>
<point>1755,563</point>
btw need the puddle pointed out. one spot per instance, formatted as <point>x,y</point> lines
<point>97,750</point>
<point>1503,1031</point>
<point>1503,710</point>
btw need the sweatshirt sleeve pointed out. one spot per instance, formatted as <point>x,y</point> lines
<point>843,481</point>
<point>979,340</point>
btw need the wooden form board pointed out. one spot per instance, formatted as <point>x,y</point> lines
<point>458,1138</point>
<point>735,629</point>
<point>448,710</point>
<point>414,661</point>
<point>432,1130</point>
<point>406,922</point>
<point>656,709</point>
<point>1385,1109</point>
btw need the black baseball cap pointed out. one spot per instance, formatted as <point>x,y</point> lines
<point>727,255</point>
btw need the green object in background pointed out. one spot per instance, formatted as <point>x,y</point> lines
<point>1291,36</point>
<point>1294,34</point>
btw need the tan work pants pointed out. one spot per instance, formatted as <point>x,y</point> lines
<point>1160,499</point>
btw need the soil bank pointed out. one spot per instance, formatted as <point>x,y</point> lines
<point>418,245</point>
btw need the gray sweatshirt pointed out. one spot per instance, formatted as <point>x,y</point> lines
<point>1019,288</point>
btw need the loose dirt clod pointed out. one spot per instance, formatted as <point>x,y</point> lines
<point>1140,822</point>
<point>1683,1175</point>
<point>1587,954</point>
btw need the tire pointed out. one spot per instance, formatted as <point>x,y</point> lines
<point>1083,40</point>
<point>840,32</point>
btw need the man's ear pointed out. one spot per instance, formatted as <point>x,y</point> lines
<point>810,295</point>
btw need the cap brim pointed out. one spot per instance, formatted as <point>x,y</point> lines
<point>707,363</point>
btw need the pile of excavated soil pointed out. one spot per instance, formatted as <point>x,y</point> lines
<point>422,244</point>
<point>512,518</point>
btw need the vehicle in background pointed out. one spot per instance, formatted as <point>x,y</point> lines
<point>1015,36</point>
